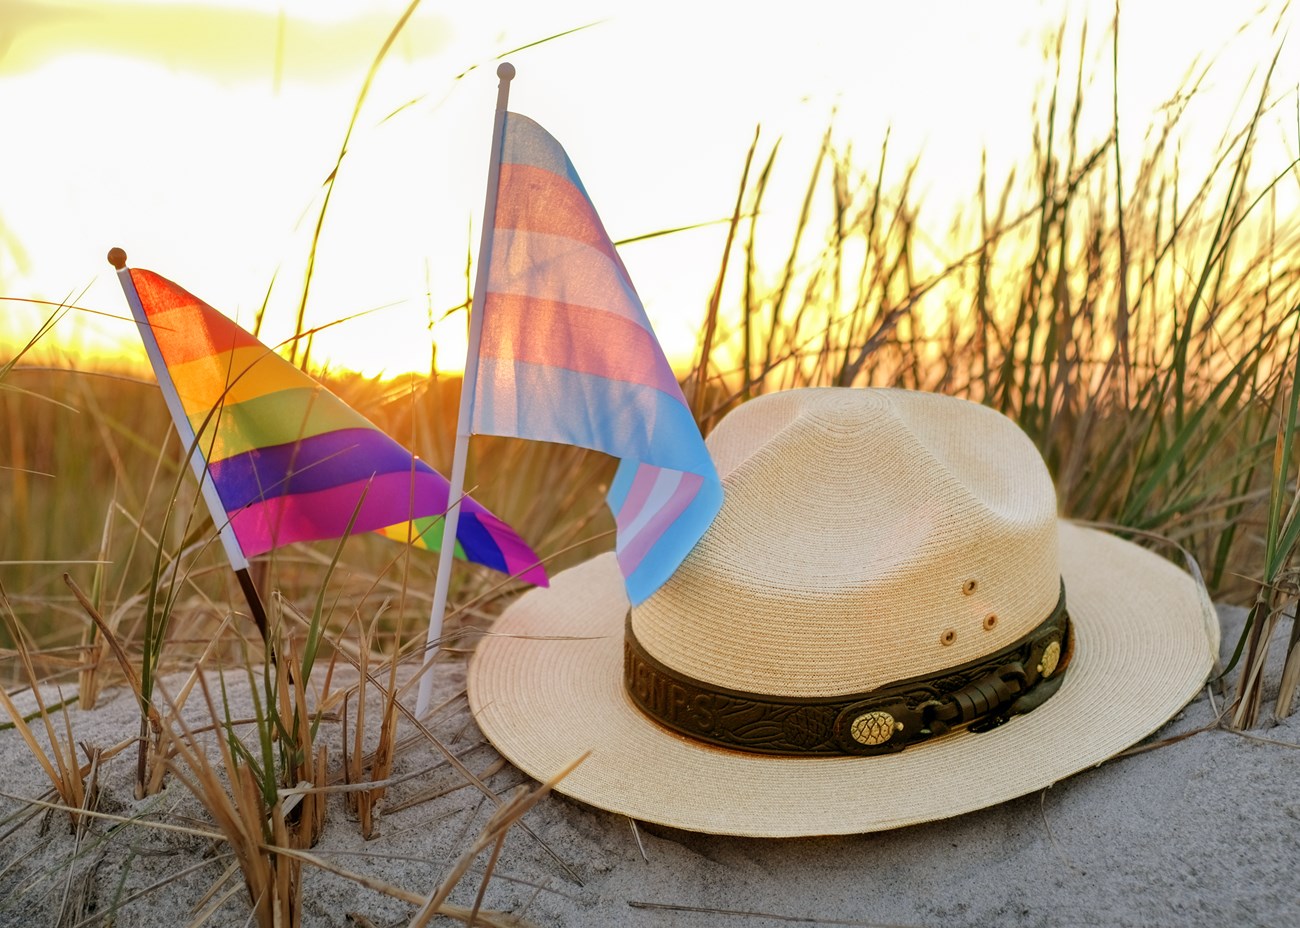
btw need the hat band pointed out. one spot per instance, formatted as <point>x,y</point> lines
<point>977,695</point>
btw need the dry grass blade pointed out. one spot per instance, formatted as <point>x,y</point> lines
<point>488,870</point>
<point>447,909</point>
<point>493,832</point>
<point>333,176</point>
<point>302,762</point>
<point>74,906</point>
<point>491,770</point>
<point>214,899</point>
<point>244,819</point>
<point>66,789</point>
<point>740,913</point>
<point>354,762</point>
<point>1282,540</point>
<point>117,819</point>
<point>59,761</point>
<point>456,763</point>
<point>1290,678</point>
<point>104,916</point>
<point>1261,620</point>
<point>149,769</point>
<point>111,641</point>
<point>89,679</point>
<point>700,379</point>
<point>366,804</point>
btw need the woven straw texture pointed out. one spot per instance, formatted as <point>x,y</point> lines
<point>863,596</point>
<point>866,537</point>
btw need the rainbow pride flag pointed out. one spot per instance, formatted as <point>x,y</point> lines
<point>567,355</point>
<point>289,459</point>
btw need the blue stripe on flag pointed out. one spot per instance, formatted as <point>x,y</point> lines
<point>528,143</point>
<point>314,463</point>
<point>627,420</point>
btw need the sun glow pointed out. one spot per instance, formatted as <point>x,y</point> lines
<point>202,138</point>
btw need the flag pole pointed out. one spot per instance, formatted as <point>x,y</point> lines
<point>451,521</point>
<point>217,509</point>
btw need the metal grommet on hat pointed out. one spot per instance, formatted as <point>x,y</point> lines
<point>882,600</point>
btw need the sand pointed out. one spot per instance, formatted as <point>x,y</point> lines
<point>1202,831</point>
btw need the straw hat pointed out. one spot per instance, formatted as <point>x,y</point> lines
<point>886,624</point>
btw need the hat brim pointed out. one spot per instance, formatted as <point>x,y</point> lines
<point>546,686</point>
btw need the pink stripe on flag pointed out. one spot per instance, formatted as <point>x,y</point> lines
<point>589,341</point>
<point>642,486</point>
<point>322,514</point>
<point>654,522</point>
<point>535,200</point>
<point>666,482</point>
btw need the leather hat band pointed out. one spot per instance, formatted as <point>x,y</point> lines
<point>978,695</point>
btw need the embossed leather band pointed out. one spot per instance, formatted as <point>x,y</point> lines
<point>978,695</point>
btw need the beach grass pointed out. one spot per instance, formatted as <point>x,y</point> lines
<point>1139,325</point>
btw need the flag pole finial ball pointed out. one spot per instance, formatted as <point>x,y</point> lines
<point>117,258</point>
<point>506,71</point>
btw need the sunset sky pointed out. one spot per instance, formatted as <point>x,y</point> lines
<point>198,136</point>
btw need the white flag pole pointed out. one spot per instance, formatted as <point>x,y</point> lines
<point>217,509</point>
<point>451,521</point>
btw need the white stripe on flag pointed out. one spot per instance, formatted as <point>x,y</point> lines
<point>563,270</point>
<point>666,483</point>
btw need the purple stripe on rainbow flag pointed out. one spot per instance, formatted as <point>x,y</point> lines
<point>568,355</point>
<point>478,528</point>
<point>306,488</point>
<point>315,463</point>
<point>325,513</point>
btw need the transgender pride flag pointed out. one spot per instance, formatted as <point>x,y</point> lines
<point>567,355</point>
<point>282,459</point>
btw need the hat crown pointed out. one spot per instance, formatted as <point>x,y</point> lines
<point>867,536</point>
